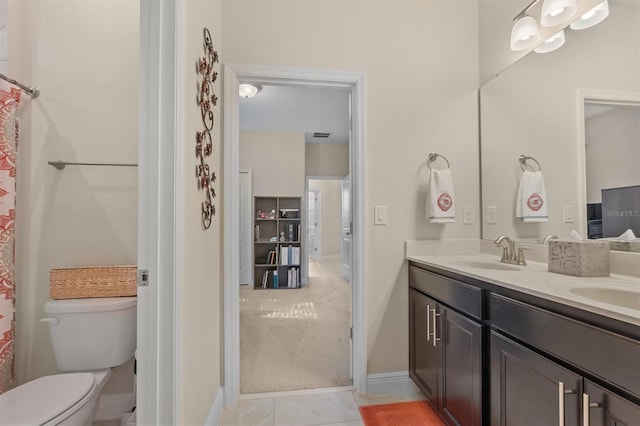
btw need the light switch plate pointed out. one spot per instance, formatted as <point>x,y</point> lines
<point>468,215</point>
<point>568,214</point>
<point>491,215</point>
<point>379,215</point>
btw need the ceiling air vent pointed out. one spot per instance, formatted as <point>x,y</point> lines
<point>321,135</point>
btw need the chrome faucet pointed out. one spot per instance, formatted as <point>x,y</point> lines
<point>508,250</point>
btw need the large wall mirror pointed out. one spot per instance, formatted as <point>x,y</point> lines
<point>566,109</point>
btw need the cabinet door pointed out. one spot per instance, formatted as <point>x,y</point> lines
<point>462,364</point>
<point>604,408</point>
<point>424,356</point>
<point>528,389</point>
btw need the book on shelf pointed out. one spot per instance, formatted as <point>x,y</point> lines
<point>257,230</point>
<point>275,279</point>
<point>293,278</point>
<point>271,258</point>
<point>265,279</point>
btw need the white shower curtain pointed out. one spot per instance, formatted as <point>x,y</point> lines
<point>9,103</point>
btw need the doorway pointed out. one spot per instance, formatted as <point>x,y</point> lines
<point>312,78</point>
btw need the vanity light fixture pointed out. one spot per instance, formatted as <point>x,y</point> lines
<point>249,90</point>
<point>592,17</point>
<point>557,12</point>
<point>552,43</point>
<point>525,32</point>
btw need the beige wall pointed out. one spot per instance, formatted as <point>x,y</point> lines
<point>199,374</point>
<point>276,160</point>
<point>327,159</point>
<point>421,64</point>
<point>532,109</point>
<point>330,214</point>
<point>86,70</point>
<point>612,151</point>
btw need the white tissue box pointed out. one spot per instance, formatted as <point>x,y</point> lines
<point>633,246</point>
<point>580,258</point>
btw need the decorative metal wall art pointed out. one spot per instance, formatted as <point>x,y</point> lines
<point>206,99</point>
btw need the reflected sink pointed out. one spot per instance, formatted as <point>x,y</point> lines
<point>623,298</point>
<point>493,266</point>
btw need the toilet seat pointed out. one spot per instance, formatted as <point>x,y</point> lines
<point>46,400</point>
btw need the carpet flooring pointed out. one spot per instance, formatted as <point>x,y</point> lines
<point>417,413</point>
<point>293,339</point>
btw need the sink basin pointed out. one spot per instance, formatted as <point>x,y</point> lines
<point>612,296</point>
<point>493,266</point>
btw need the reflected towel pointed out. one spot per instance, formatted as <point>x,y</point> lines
<point>440,199</point>
<point>531,199</point>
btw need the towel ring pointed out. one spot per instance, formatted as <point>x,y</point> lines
<point>433,157</point>
<point>523,160</point>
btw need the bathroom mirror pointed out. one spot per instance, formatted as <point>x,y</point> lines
<point>536,107</point>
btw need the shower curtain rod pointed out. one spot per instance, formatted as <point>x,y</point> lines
<point>31,91</point>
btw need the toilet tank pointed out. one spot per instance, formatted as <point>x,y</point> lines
<point>92,334</point>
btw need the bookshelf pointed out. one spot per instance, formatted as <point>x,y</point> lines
<point>277,242</point>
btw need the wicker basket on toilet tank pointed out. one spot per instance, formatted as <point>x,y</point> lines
<point>92,281</point>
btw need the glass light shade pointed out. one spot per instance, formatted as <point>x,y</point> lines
<point>525,33</point>
<point>248,90</point>
<point>592,17</point>
<point>552,43</point>
<point>557,12</point>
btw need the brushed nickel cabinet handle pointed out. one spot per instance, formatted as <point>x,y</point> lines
<point>561,404</point>
<point>435,328</point>
<point>561,393</point>
<point>586,405</point>
<point>428,332</point>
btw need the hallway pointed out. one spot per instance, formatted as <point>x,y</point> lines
<point>297,339</point>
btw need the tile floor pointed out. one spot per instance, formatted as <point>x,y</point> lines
<point>337,408</point>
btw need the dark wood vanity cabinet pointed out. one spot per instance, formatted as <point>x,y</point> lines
<point>502,359</point>
<point>528,389</point>
<point>445,357</point>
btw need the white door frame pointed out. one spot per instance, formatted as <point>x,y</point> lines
<point>233,73</point>
<point>160,177</point>
<point>612,97</point>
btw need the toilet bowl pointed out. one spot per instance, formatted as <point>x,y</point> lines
<point>60,399</point>
<point>89,337</point>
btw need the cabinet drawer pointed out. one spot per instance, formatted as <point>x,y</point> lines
<point>461,296</point>
<point>606,355</point>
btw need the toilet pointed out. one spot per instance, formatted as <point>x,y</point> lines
<point>89,337</point>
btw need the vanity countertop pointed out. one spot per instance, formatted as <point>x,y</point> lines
<point>534,279</point>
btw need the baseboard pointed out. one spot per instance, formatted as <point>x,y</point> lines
<point>111,407</point>
<point>216,409</point>
<point>394,382</point>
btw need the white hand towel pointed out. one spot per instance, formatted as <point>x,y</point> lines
<point>531,202</point>
<point>440,199</point>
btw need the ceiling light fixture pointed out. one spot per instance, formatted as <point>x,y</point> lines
<point>525,32</point>
<point>557,12</point>
<point>249,90</point>
<point>592,17</point>
<point>552,43</point>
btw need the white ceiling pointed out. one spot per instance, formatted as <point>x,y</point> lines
<point>299,109</point>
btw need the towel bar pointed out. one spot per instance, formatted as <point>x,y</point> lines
<point>523,160</point>
<point>60,165</point>
<point>433,157</point>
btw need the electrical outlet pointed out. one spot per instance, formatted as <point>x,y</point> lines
<point>491,215</point>
<point>468,215</point>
